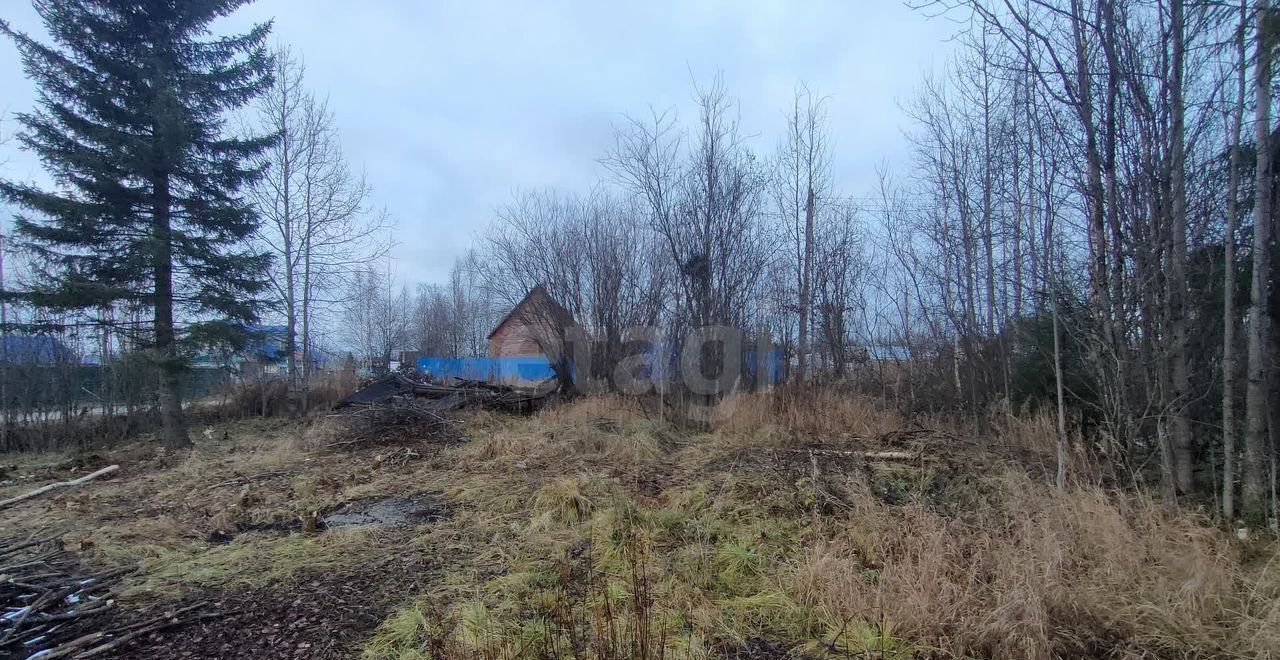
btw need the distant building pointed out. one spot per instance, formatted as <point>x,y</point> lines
<point>523,346</point>
<point>34,350</point>
<point>534,327</point>
<point>263,354</point>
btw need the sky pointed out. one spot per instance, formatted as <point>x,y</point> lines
<point>451,107</point>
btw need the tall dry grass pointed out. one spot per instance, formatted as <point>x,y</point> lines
<point>1041,574</point>
<point>730,558</point>
<point>803,414</point>
<point>270,396</point>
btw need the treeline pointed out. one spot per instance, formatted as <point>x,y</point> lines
<point>198,195</point>
<point>1085,226</point>
<point>1108,165</point>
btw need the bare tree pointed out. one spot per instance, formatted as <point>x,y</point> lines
<point>801,184</point>
<point>705,203</point>
<point>276,195</point>
<point>1258,392</point>
<point>376,316</point>
<point>591,255</point>
<point>838,272</point>
<point>432,325</point>
<point>316,220</point>
<point>1229,322</point>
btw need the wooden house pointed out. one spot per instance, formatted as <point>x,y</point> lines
<point>534,327</point>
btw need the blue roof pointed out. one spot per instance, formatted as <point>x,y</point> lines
<point>33,349</point>
<point>269,341</point>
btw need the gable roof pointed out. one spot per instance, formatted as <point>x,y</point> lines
<point>557,311</point>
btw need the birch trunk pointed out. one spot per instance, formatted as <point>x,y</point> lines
<point>1254,492</point>
<point>1229,370</point>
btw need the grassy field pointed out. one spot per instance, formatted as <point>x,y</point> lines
<point>816,527</point>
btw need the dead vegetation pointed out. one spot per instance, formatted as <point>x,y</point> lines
<point>742,542</point>
<point>49,594</point>
<point>397,421</point>
<point>594,530</point>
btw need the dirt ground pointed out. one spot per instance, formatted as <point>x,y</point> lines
<point>247,486</point>
<point>595,530</point>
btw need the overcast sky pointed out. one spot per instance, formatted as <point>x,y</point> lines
<point>451,106</point>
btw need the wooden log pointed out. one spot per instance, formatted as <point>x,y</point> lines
<point>869,455</point>
<point>158,623</point>
<point>69,647</point>
<point>61,484</point>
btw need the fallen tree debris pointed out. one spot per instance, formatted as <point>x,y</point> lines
<point>240,481</point>
<point>46,599</point>
<point>459,394</point>
<point>61,484</point>
<point>135,631</point>
<point>869,455</point>
<point>394,421</point>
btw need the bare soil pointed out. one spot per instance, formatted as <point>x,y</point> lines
<point>322,614</point>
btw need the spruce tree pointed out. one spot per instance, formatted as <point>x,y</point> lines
<point>146,210</point>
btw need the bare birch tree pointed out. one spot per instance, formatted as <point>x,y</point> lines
<point>1257,393</point>
<point>1229,322</point>
<point>316,221</point>
<point>801,185</point>
<point>375,317</point>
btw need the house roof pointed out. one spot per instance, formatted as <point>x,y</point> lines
<point>33,349</point>
<point>267,341</point>
<point>557,311</point>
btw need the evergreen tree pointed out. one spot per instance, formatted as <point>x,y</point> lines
<point>147,208</point>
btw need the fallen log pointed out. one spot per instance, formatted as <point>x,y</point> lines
<point>68,648</point>
<point>240,481</point>
<point>61,484</point>
<point>869,455</point>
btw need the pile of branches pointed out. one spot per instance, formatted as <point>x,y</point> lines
<point>458,394</point>
<point>394,421</point>
<point>52,608</point>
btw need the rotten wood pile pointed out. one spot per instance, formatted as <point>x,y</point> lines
<point>53,608</point>
<point>458,394</point>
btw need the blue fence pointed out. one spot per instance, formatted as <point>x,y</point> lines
<point>659,365</point>
<point>524,369</point>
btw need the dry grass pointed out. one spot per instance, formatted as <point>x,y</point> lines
<point>250,560</point>
<point>162,508</point>
<point>879,561</point>
<point>803,414</point>
<point>595,531</point>
<point>562,500</point>
<point>270,396</point>
<point>1079,574</point>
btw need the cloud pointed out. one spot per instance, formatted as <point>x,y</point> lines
<point>451,106</point>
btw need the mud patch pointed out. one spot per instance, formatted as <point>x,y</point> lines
<point>319,615</point>
<point>419,509</point>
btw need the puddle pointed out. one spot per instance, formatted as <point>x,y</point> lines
<point>387,512</point>
<point>419,509</point>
